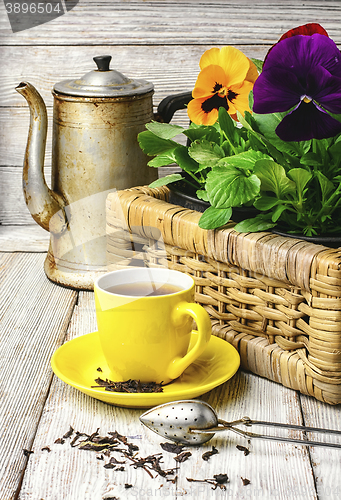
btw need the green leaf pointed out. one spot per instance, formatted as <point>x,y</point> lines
<point>202,194</point>
<point>267,124</point>
<point>259,223</point>
<point>153,145</point>
<point>326,185</point>
<point>168,179</point>
<point>245,160</point>
<point>163,159</point>
<point>230,187</point>
<point>266,202</point>
<point>301,177</point>
<point>205,152</point>
<point>311,160</point>
<point>273,178</point>
<point>164,130</point>
<point>227,124</point>
<point>195,132</point>
<point>213,218</point>
<point>278,212</point>
<point>184,161</point>
<point>335,151</point>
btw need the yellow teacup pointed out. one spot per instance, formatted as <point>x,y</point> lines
<point>145,336</point>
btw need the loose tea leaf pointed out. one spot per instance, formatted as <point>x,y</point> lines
<point>132,448</point>
<point>109,466</point>
<point>182,457</point>
<point>127,486</point>
<point>207,455</point>
<point>118,436</point>
<point>243,448</point>
<point>114,461</point>
<point>46,448</point>
<point>172,447</point>
<point>78,436</point>
<point>68,433</point>
<point>219,480</point>
<point>151,462</point>
<point>27,453</point>
<point>245,481</point>
<point>130,386</point>
<point>59,441</point>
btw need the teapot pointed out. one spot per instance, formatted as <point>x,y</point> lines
<point>96,120</point>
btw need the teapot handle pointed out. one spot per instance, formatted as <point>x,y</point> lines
<point>169,105</point>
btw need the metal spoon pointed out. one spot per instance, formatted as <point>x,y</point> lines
<point>194,422</point>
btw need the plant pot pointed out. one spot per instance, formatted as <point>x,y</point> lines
<point>326,240</point>
<point>184,194</point>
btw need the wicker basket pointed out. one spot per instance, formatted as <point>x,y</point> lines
<point>276,299</point>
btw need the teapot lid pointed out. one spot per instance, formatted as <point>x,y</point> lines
<point>103,82</point>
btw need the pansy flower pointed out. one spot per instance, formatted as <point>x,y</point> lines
<point>302,75</point>
<point>225,80</point>
<point>305,29</point>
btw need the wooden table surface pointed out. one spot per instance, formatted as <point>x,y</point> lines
<point>37,316</point>
<point>161,41</point>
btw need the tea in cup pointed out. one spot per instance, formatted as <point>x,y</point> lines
<point>145,319</point>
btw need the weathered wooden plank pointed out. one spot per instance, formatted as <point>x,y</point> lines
<point>325,461</point>
<point>34,317</point>
<point>15,214</point>
<point>62,472</point>
<point>274,469</point>
<point>13,209</point>
<point>284,469</point>
<point>170,68</point>
<point>28,238</point>
<point>187,22</point>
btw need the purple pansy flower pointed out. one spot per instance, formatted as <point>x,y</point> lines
<point>303,73</point>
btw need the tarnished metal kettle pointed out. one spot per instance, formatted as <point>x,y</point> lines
<point>96,120</point>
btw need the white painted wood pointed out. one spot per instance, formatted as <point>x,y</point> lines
<point>161,41</point>
<point>275,470</point>
<point>34,315</point>
<point>70,473</point>
<point>28,238</point>
<point>326,462</point>
<point>13,209</point>
<point>272,468</point>
<point>187,22</point>
<point>171,68</point>
<point>14,212</point>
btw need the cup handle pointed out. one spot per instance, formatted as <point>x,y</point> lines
<point>203,322</point>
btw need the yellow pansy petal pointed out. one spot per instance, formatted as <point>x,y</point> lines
<point>252,74</point>
<point>209,81</point>
<point>198,116</point>
<point>232,109</point>
<point>235,64</point>
<point>241,101</point>
<point>209,57</point>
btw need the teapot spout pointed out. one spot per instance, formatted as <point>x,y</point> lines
<point>40,200</point>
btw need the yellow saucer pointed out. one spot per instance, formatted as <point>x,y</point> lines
<point>76,363</point>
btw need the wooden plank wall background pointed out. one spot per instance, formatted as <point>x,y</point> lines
<point>161,41</point>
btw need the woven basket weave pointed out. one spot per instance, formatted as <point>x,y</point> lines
<point>276,299</point>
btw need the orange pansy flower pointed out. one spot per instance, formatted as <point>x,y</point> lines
<point>225,80</point>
